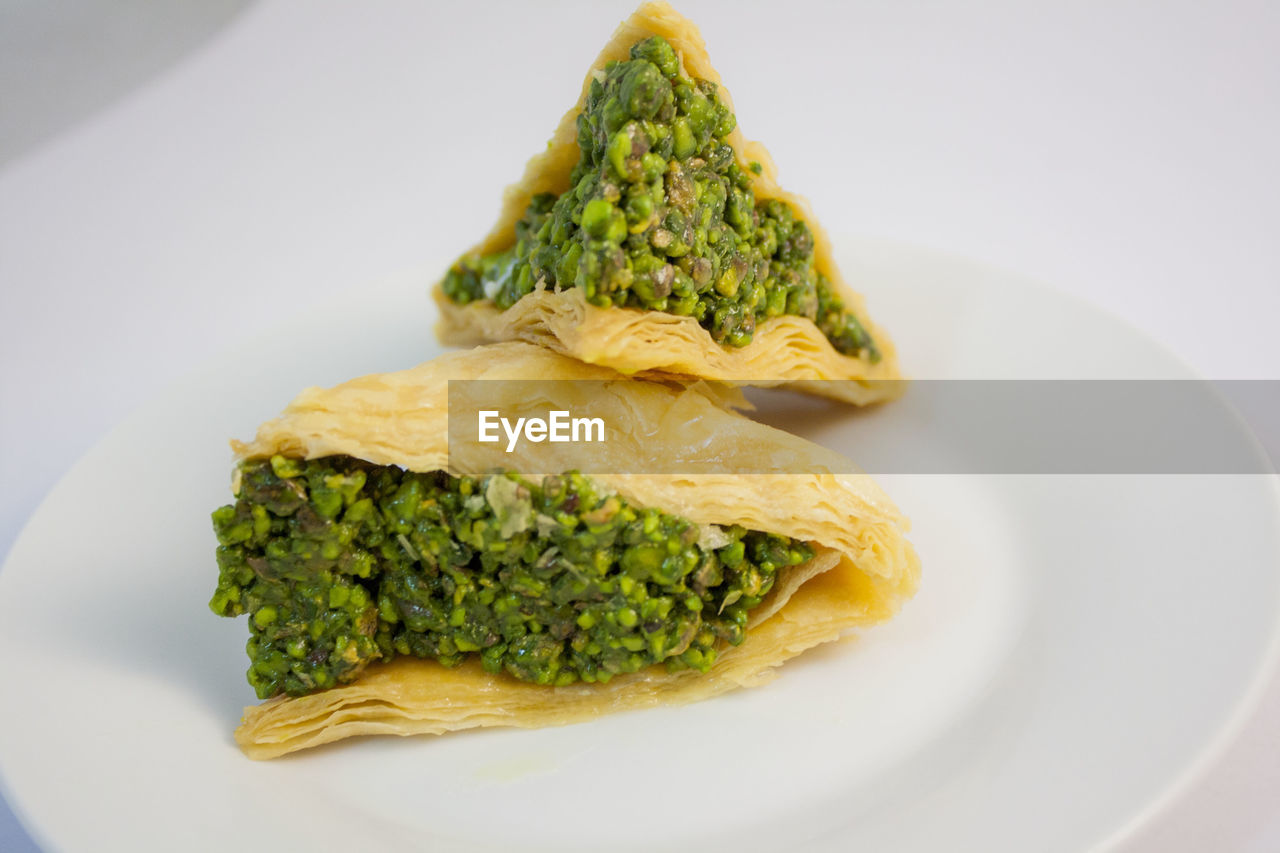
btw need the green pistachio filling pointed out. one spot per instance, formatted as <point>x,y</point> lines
<point>339,563</point>
<point>661,217</point>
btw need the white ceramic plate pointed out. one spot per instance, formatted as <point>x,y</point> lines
<point>1078,645</point>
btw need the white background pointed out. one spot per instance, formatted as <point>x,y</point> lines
<point>159,205</point>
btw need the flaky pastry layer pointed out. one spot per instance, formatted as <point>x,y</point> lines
<point>410,696</point>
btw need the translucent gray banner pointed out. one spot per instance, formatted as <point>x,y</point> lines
<point>934,427</point>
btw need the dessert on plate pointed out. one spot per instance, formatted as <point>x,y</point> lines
<point>394,584</point>
<point>652,237</point>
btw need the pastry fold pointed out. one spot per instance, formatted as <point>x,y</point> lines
<point>786,349</point>
<point>863,568</point>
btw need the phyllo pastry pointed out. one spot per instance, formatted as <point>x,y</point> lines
<point>396,585</point>
<point>652,237</point>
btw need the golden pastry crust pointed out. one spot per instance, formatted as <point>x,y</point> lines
<point>409,696</point>
<point>652,343</point>
<point>863,568</point>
